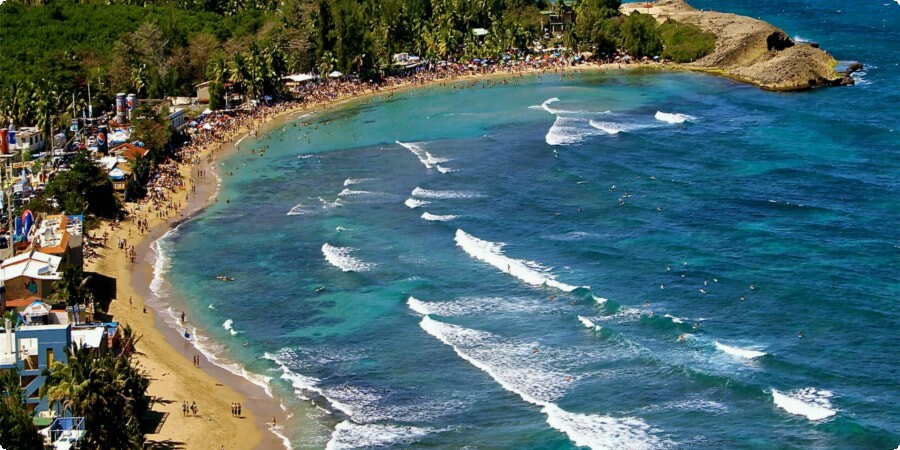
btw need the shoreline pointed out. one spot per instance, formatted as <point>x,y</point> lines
<point>165,351</point>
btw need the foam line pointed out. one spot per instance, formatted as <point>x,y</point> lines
<point>811,403</point>
<point>529,381</point>
<point>492,254</point>
<point>739,352</point>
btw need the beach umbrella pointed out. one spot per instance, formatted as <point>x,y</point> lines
<point>335,74</point>
<point>207,111</point>
<point>207,126</point>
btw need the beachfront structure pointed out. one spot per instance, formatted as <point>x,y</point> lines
<point>203,92</point>
<point>29,274</point>
<point>30,139</point>
<point>32,348</point>
<point>57,235</point>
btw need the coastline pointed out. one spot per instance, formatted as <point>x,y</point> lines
<point>164,352</point>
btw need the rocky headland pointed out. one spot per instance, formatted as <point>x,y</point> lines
<point>752,51</point>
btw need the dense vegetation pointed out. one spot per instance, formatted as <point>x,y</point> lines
<point>156,48</point>
<point>108,391</point>
<point>685,42</point>
<point>16,428</point>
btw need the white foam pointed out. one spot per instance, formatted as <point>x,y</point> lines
<point>340,228</point>
<point>340,257</point>
<point>588,323</point>
<point>348,435</point>
<point>298,210</point>
<point>673,318</point>
<point>476,306</point>
<point>438,218</point>
<point>426,193</point>
<point>443,169</point>
<point>809,402</point>
<point>330,205</point>
<point>347,192</point>
<point>352,181</point>
<point>599,300</point>
<point>673,117</point>
<point>568,130</point>
<point>427,159</point>
<point>739,352</point>
<point>538,384</point>
<point>299,382</point>
<point>162,263</point>
<point>413,203</point>
<point>491,253</point>
<point>609,127</point>
<point>277,431</point>
<point>213,351</point>
<point>546,105</point>
<point>229,325</point>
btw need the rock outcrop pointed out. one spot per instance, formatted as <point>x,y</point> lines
<point>750,50</point>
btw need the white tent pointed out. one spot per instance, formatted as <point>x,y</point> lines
<point>207,111</point>
<point>117,174</point>
<point>335,74</point>
<point>299,78</point>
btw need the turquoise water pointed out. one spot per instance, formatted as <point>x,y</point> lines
<point>587,272</point>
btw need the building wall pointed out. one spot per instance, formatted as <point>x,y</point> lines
<point>24,287</point>
<point>53,340</point>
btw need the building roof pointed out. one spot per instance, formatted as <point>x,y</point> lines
<point>21,302</point>
<point>33,264</point>
<point>52,236</point>
<point>130,151</point>
<point>88,337</point>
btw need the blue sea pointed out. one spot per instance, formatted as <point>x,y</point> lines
<point>620,260</point>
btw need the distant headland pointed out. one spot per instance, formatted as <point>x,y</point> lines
<point>753,51</point>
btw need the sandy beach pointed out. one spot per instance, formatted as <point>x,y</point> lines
<point>166,356</point>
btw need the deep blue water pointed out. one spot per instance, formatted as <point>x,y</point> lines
<point>591,275</point>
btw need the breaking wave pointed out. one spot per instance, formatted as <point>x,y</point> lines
<point>426,193</point>
<point>492,253</point>
<point>427,159</point>
<point>438,218</point>
<point>538,384</point>
<point>673,117</point>
<point>348,435</point>
<point>340,257</point>
<point>739,352</point>
<point>809,402</point>
<point>413,203</point>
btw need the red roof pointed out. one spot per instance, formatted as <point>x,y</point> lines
<point>130,151</point>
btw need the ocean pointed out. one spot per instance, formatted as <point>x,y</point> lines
<point>609,260</point>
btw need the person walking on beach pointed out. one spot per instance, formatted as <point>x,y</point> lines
<point>194,408</point>
<point>239,410</point>
<point>184,409</point>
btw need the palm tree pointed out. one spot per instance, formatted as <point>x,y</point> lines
<point>237,70</point>
<point>109,392</point>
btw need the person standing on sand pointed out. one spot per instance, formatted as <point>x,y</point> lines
<point>239,410</point>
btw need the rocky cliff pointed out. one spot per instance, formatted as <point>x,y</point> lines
<point>750,50</point>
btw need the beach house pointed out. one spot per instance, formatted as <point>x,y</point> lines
<point>29,274</point>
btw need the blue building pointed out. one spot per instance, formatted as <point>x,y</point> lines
<point>31,349</point>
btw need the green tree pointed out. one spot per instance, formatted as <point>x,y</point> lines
<point>16,427</point>
<point>108,391</point>
<point>85,188</point>
<point>640,35</point>
<point>72,287</point>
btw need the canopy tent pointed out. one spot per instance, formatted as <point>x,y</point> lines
<point>299,78</point>
<point>116,174</point>
<point>119,136</point>
<point>206,111</point>
<point>335,74</point>
<point>35,310</point>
